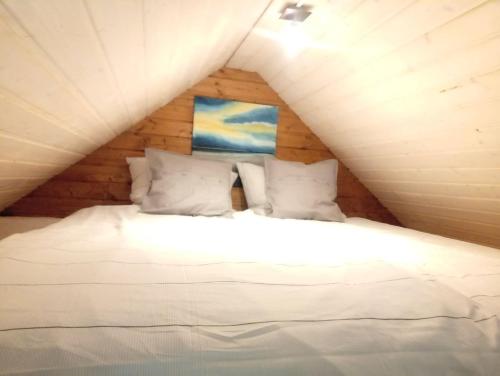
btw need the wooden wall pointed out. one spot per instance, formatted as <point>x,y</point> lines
<point>102,178</point>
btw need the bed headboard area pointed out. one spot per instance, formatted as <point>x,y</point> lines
<point>102,178</point>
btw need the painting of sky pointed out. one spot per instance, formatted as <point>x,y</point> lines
<point>222,125</point>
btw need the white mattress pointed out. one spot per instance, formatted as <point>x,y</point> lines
<point>110,291</point>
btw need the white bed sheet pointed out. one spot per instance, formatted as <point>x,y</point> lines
<point>111,291</point>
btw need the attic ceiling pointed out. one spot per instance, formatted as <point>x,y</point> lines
<point>405,92</point>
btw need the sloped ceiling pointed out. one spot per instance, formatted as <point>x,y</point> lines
<point>405,92</point>
<point>74,74</point>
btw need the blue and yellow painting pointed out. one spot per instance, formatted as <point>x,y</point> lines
<point>222,125</point>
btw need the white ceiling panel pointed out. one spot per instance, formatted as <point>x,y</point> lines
<point>406,93</point>
<point>74,74</point>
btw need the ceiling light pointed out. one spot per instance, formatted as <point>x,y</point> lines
<point>297,12</point>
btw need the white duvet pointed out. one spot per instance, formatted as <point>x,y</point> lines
<point>110,291</point>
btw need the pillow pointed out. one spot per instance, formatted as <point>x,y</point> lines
<point>297,190</point>
<point>254,184</point>
<point>141,178</point>
<point>185,185</point>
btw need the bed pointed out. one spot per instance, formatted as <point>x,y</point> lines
<point>112,291</point>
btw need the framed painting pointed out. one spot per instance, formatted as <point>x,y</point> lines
<point>228,126</point>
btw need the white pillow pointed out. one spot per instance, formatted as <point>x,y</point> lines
<point>141,178</point>
<point>254,184</point>
<point>297,190</point>
<point>186,185</point>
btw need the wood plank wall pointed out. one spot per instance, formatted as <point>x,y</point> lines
<point>102,178</point>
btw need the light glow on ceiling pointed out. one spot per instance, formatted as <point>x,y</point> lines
<point>293,39</point>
